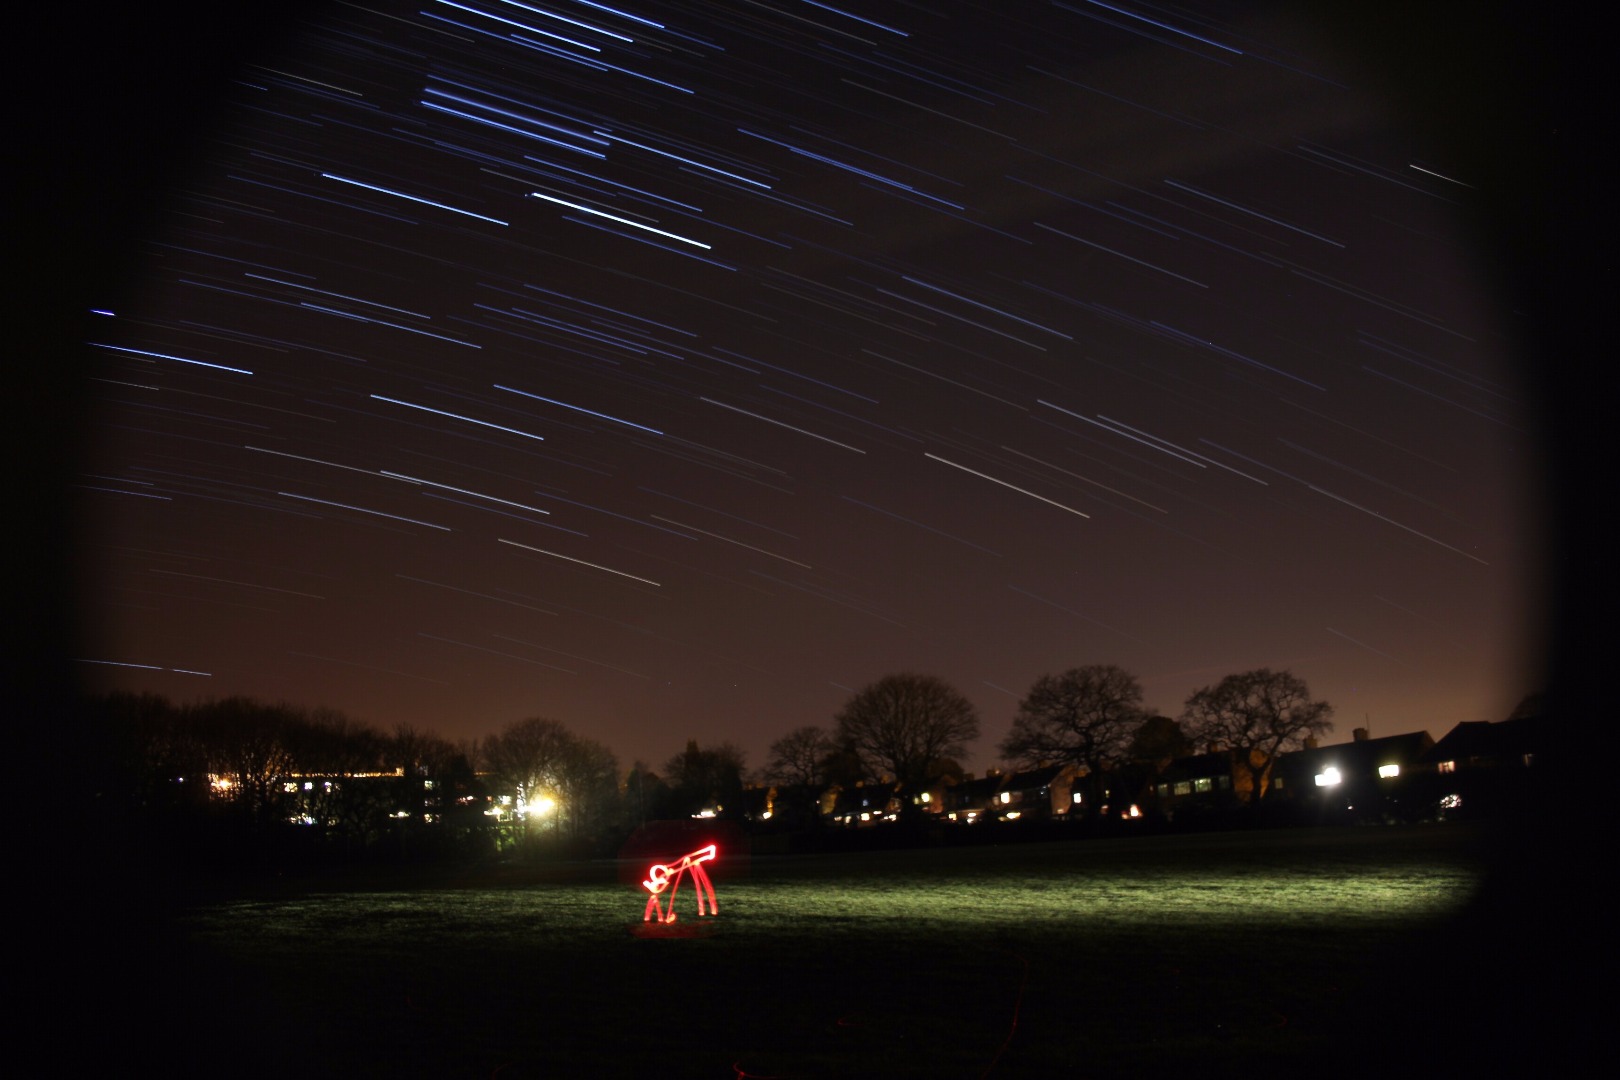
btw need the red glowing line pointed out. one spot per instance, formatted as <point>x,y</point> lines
<point>661,877</point>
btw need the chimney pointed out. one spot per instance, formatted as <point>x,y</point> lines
<point>1359,734</point>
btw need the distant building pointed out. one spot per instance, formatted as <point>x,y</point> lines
<point>1202,782</point>
<point>1365,779</point>
<point>1482,767</point>
<point>866,804</point>
<point>1046,792</point>
<point>972,801</point>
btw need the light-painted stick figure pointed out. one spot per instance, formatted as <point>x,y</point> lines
<point>662,877</point>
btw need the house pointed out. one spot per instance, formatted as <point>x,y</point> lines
<point>1045,792</point>
<point>866,804</point>
<point>1201,784</point>
<point>1483,767</point>
<point>1482,744</point>
<point>1365,779</point>
<point>972,801</point>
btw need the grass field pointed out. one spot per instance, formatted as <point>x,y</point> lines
<point>1216,954</point>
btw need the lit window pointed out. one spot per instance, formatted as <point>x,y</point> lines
<point>1389,772</point>
<point>290,787</point>
<point>1183,787</point>
<point>1328,777</point>
<point>1006,797</point>
<point>1203,783</point>
<point>1448,766</point>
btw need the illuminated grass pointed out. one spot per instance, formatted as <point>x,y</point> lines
<point>1114,955</point>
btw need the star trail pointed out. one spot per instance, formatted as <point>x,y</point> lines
<point>670,368</point>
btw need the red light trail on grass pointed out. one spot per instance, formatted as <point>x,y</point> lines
<point>661,877</point>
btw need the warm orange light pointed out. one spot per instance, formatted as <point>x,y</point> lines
<point>661,877</point>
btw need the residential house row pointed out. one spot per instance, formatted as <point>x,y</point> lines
<point>1478,768</point>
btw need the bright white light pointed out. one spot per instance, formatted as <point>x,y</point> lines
<point>1328,777</point>
<point>924,797</point>
<point>1006,797</point>
<point>1389,771</point>
<point>1011,815</point>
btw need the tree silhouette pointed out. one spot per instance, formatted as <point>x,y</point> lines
<point>706,779</point>
<point>905,725</point>
<point>527,755</point>
<point>1158,739</point>
<point>799,758</point>
<point>587,783</point>
<point>249,750</point>
<point>799,767</point>
<point>1085,717</point>
<point>1256,715</point>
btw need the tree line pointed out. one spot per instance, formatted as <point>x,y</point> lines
<point>243,765</point>
<point>909,729</point>
<point>224,772</point>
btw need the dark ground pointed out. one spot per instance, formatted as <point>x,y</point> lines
<point>851,991</point>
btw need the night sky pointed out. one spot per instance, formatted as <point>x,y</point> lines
<point>674,370</point>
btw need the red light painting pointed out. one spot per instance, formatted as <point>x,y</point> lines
<point>663,877</point>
